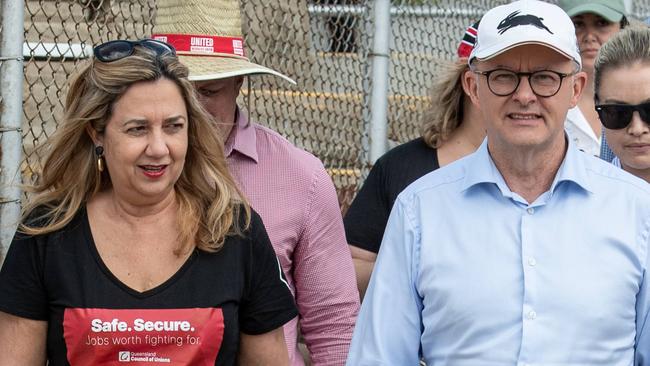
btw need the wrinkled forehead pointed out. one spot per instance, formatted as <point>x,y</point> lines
<point>529,57</point>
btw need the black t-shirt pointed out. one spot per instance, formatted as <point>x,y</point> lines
<point>192,318</point>
<point>365,220</point>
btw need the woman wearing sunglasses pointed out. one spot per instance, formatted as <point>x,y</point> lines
<point>622,85</point>
<point>136,245</point>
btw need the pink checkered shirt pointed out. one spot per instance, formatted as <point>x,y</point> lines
<point>297,201</point>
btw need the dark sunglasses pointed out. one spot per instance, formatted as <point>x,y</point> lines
<point>116,50</point>
<point>619,116</point>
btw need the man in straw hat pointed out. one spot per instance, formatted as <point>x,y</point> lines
<point>287,186</point>
<point>505,257</point>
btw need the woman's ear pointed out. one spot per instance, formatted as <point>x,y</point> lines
<point>97,138</point>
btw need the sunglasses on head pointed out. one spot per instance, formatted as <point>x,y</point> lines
<point>619,116</point>
<point>117,50</point>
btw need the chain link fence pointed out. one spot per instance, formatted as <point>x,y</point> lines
<point>58,35</point>
<point>424,37</point>
<point>325,45</point>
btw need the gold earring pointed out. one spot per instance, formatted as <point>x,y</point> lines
<point>99,151</point>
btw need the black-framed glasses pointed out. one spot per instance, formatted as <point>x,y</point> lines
<point>116,50</point>
<point>619,116</point>
<point>544,83</point>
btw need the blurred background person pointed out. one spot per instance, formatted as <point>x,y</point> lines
<point>288,186</point>
<point>135,221</point>
<point>451,129</point>
<point>595,22</point>
<point>622,86</point>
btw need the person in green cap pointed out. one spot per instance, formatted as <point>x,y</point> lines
<point>595,22</point>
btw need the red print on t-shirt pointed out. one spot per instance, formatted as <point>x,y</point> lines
<point>143,336</point>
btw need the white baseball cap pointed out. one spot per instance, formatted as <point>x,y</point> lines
<point>525,22</point>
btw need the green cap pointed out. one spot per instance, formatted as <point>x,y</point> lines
<point>612,10</point>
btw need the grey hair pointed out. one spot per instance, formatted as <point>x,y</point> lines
<point>627,47</point>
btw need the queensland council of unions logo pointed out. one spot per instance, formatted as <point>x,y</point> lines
<point>124,356</point>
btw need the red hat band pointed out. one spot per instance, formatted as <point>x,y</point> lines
<point>204,45</point>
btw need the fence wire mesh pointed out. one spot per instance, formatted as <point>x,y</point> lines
<point>325,45</point>
<point>424,36</point>
<point>58,35</point>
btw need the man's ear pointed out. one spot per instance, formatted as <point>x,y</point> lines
<point>239,82</point>
<point>579,83</point>
<point>470,86</point>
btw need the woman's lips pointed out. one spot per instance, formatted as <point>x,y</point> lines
<point>153,171</point>
<point>638,148</point>
<point>592,52</point>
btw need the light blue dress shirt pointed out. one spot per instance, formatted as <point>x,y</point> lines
<point>470,274</point>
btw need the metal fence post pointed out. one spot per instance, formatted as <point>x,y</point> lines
<point>380,58</point>
<point>11,90</point>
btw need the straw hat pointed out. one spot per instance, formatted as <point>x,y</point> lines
<point>208,38</point>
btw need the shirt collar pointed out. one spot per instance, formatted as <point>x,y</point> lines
<point>242,138</point>
<point>481,169</point>
<point>573,168</point>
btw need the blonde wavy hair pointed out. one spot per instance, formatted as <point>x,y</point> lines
<point>625,48</point>
<point>445,107</point>
<point>210,205</point>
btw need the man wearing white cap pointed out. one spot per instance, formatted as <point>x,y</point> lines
<point>287,186</point>
<point>527,252</point>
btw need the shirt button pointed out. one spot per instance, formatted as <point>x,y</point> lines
<point>532,262</point>
<point>532,315</point>
<point>530,210</point>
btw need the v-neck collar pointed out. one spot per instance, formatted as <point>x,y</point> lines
<point>87,232</point>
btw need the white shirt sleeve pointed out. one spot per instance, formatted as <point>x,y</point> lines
<point>389,325</point>
<point>642,341</point>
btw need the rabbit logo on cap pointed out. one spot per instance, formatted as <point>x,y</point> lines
<point>514,19</point>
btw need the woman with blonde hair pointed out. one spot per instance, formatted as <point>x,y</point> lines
<point>136,245</point>
<point>622,98</point>
<point>451,129</point>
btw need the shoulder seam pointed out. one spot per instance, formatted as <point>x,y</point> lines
<point>310,203</point>
<point>630,182</point>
